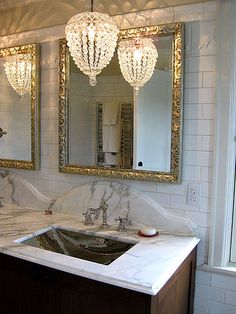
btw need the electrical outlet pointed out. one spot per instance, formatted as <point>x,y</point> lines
<point>194,194</point>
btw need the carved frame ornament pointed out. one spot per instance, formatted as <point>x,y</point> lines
<point>32,164</point>
<point>174,176</point>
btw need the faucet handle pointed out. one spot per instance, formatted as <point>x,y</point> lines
<point>88,217</point>
<point>122,223</point>
<point>2,132</point>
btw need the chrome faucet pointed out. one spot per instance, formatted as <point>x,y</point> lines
<point>103,206</point>
<point>96,211</point>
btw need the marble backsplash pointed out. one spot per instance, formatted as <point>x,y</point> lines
<point>15,189</point>
<point>122,200</point>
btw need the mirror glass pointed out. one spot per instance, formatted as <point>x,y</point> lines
<point>19,107</point>
<point>111,131</point>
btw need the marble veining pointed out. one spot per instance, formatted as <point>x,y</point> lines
<point>122,200</point>
<point>17,190</point>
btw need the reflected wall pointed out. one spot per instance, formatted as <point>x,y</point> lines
<point>15,119</point>
<point>19,107</point>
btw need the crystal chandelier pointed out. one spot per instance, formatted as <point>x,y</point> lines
<point>91,38</point>
<point>18,71</point>
<point>137,59</point>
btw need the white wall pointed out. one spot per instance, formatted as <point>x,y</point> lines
<point>214,293</point>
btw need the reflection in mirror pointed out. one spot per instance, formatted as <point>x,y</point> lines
<point>100,118</point>
<point>19,107</point>
<point>108,130</point>
<point>153,114</point>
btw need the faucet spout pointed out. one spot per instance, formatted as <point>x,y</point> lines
<point>93,213</point>
<point>103,206</point>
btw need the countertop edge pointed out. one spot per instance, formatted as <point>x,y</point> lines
<point>150,290</point>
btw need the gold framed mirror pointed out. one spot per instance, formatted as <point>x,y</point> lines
<point>19,107</point>
<point>141,153</point>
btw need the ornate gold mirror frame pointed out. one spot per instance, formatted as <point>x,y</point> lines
<point>34,51</point>
<point>174,176</point>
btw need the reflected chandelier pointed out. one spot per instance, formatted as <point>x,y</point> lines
<point>91,38</point>
<point>18,71</point>
<point>137,59</point>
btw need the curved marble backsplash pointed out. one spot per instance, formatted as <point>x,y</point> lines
<point>15,189</point>
<point>122,201</point>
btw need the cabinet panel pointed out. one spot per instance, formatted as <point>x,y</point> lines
<point>29,288</point>
<point>25,288</point>
<point>176,297</point>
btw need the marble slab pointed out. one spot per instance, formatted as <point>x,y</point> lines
<point>146,267</point>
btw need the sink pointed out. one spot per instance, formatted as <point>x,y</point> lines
<point>90,247</point>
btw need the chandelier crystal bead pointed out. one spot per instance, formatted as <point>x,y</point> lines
<point>18,71</point>
<point>137,59</point>
<point>91,38</point>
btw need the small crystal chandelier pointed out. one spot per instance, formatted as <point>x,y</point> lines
<point>137,59</point>
<point>18,71</point>
<point>92,38</point>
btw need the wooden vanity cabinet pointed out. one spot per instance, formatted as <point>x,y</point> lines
<point>30,288</point>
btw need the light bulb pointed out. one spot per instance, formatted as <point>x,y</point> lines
<point>138,54</point>
<point>91,32</point>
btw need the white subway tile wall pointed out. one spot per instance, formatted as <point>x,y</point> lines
<point>214,293</point>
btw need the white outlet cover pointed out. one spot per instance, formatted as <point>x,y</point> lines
<point>194,194</point>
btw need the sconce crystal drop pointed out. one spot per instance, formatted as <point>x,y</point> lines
<point>137,59</point>
<point>92,38</point>
<point>18,71</point>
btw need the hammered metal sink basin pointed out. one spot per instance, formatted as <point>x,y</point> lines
<point>78,244</point>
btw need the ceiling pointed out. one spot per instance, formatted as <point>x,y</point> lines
<point>18,16</point>
<point>111,7</point>
<point>4,4</point>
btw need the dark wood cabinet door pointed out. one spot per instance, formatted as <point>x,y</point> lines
<point>26,288</point>
<point>29,288</point>
<point>176,297</point>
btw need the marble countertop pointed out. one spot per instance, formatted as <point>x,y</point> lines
<point>146,267</point>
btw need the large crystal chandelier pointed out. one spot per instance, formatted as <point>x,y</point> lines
<point>91,37</point>
<point>18,71</point>
<point>137,59</point>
